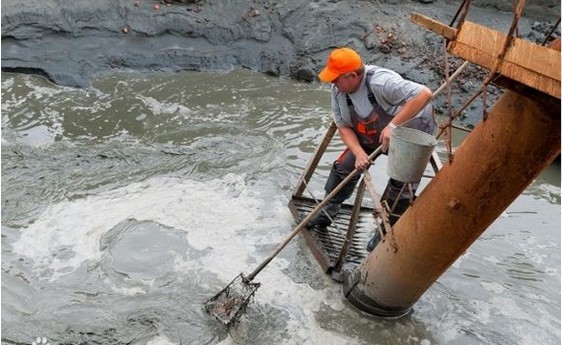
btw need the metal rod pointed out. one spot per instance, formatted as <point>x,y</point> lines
<point>381,211</point>
<point>352,227</point>
<point>451,78</point>
<point>457,14</point>
<point>313,163</point>
<point>458,112</point>
<point>551,32</point>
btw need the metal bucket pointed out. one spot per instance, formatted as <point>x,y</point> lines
<point>408,153</point>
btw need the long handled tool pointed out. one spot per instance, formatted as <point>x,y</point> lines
<point>229,304</point>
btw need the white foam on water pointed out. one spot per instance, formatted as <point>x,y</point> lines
<point>160,340</point>
<point>493,287</point>
<point>217,216</point>
<point>546,189</point>
<point>7,83</point>
<point>452,328</point>
<point>509,308</point>
<point>482,310</point>
<point>491,259</point>
<point>158,108</point>
<point>96,107</point>
<point>210,214</point>
<point>33,129</point>
<point>303,304</point>
<point>526,316</point>
<point>222,218</point>
<point>131,291</point>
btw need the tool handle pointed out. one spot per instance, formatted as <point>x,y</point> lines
<point>312,213</point>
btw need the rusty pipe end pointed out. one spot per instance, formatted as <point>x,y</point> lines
<point>353,293</point>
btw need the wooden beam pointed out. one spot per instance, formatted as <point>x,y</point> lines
<point>525,62</point>
<point>526,91</point>
<point>535,66</point>
<point>433,25</point>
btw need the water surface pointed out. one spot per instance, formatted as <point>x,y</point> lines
<point>127,205</point>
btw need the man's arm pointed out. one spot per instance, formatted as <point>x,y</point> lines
<point>412,107</point>
<point>350,140</point>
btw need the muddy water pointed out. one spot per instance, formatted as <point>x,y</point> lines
<point>127,205</point>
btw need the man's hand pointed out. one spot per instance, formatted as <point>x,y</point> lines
<point>352,142</point>
<point>384,139</point>
<point>362,161</point>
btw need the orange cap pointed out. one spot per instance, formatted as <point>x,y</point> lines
<point>340,61</point>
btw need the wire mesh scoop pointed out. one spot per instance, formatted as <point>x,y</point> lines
<point>229,304</point>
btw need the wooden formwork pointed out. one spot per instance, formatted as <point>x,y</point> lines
<point>524,67</point>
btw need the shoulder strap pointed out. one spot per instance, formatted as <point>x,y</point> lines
<point>370,93</point>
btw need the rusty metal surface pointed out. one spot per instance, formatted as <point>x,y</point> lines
<point>494,164</point>
<point>326,247</point>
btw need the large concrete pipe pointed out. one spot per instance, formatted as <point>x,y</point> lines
<point>494,164</point>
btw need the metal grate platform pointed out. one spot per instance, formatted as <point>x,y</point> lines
<point>327,246</point>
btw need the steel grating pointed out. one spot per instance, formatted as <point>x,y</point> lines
<point>327,246</point>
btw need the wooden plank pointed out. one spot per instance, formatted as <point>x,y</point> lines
<point>525,62</point>
<point>526,91</point>
<point>535,66</point>
<point>433,25</point>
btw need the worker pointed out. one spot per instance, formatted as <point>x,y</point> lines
<point>368,102</point>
